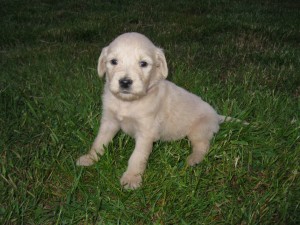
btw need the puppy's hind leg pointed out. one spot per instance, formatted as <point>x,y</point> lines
<point>200,148</point>
<point>200,137</point>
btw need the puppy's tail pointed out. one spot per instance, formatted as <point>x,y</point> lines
<point>223,119</point>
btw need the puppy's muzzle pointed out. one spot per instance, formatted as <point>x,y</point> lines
<point>125,83</point>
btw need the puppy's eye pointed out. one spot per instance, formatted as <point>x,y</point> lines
<point>114,62</point>
<point>143,64</point>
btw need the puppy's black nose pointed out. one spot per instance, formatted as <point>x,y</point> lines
<point>125,83</point>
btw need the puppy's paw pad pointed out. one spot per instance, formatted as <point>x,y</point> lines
<point>85,160</point>
<point>131,181</point>
<point>194,159</point>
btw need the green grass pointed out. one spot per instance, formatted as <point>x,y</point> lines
<point>240,56</point>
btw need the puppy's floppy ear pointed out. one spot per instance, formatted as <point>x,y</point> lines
<point>161,65</point>
<point>101,62</point>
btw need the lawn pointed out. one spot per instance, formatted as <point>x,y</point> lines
<point>243,57</point>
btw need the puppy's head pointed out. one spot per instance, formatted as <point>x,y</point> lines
<point>132,64</point>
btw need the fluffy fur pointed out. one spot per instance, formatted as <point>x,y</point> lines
<point>147,107</point>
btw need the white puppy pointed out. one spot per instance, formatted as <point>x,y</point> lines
<point>138,100</point>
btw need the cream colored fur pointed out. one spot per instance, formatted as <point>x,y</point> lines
<point>152,109</point>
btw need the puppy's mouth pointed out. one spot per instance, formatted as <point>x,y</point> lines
<point>127,94</point>
<point>125,91</point>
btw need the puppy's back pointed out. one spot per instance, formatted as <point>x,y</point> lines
<point>181,110</point>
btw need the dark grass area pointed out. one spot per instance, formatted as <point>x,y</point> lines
<point>240,56</point>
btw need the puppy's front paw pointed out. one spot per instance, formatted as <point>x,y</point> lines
<point>131,181</point>
<point>194,159</point>
<point>86,160</point>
